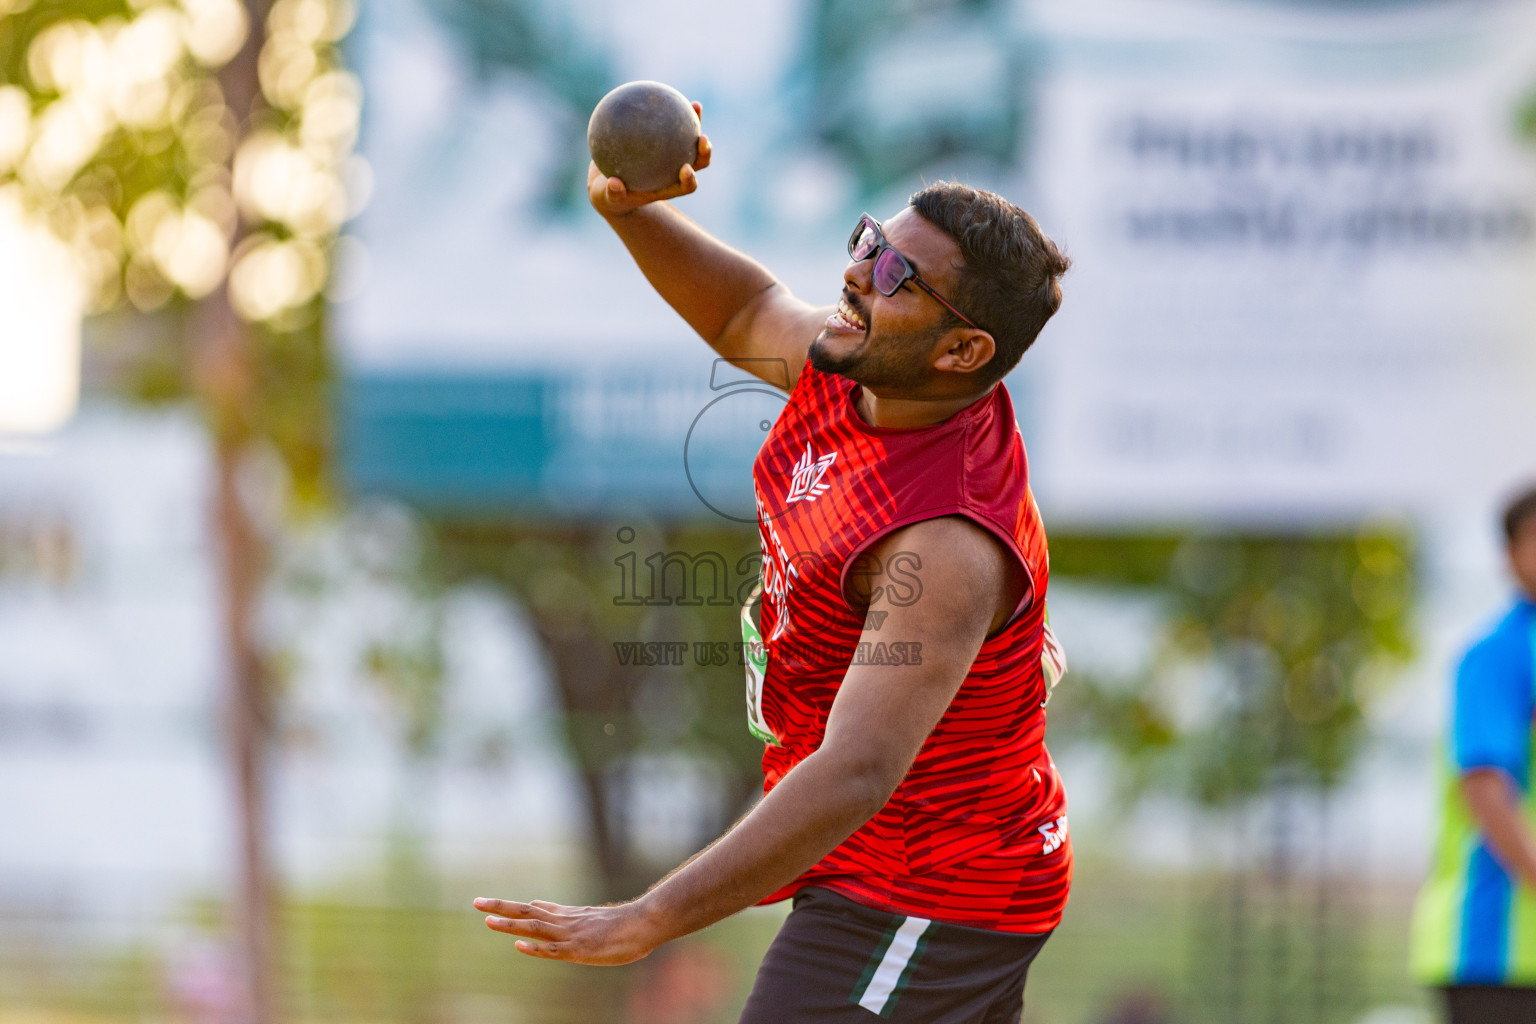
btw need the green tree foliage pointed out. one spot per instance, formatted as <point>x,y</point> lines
<point>191,156</point>
<point>117,130</point>
<point>1273,649</point>
<point>1525,117</point>
<point>572,579</point>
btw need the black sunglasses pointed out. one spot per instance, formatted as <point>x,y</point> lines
<point>892,269</point>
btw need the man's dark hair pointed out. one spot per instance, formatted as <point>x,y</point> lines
<point>1523,507</point>
<point>1008,285</point>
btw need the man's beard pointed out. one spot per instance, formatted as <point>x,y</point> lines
<point>895,362</point>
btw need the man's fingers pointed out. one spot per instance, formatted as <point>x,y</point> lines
<point>698,109</point>
<point>544,950</point>
<point>662,194</point>
<point>705,149</point>
<point>512,908</point>
<point>525,927</point>
<point>620,196</point>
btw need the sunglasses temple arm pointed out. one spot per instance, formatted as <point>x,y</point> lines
<point>942,300</point>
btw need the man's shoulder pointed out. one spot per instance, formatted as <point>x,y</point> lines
<point>1512,626</point>
<point>1509,641</point>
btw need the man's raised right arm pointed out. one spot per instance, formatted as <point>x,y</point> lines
<point>730,299</point>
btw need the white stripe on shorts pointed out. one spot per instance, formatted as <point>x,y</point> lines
<point>897,955</point>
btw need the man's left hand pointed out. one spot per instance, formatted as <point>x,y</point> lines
<point>603,936</point>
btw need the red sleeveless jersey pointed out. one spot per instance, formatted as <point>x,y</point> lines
<point>976,834</point>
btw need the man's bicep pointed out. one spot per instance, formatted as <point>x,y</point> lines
<point>913,656</point>
<point>770,336</point>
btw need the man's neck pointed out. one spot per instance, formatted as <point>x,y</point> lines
<point>905,413</point>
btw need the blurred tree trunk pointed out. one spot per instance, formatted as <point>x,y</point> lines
<point>566,577</point>
<point>594,695</point>
<point>250,720</point>
<point>224,377</point>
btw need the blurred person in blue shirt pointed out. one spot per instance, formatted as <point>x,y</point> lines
<point>1474,928</point>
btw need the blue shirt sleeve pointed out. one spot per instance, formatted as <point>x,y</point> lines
<point>1493,707</point>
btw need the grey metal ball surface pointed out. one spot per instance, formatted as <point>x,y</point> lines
<point>642,133</point>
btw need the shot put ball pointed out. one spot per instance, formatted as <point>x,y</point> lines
<point>642,133</point>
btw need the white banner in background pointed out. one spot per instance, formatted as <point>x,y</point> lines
<point>1298,294</point>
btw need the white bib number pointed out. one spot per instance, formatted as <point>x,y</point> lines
<point>755,657</point>
<point>1053,660</point>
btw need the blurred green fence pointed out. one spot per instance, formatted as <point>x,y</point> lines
<point>1134,949</point>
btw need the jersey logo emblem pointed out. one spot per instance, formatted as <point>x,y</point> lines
<point>1055,833</point>
<point>806,483</point>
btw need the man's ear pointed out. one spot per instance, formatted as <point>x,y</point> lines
<point>966,350</point>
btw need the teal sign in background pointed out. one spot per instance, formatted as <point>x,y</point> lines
<point>617,441</point>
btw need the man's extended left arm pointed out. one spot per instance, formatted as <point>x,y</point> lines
<point>878,723</point>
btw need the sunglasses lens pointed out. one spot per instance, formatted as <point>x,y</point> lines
<point>864,241</point>
<point>890,272</point>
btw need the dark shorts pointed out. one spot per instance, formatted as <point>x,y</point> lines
<point>1489,1004</point>
<point>836,961</point>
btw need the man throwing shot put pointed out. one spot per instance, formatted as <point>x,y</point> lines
<point>900,658</point>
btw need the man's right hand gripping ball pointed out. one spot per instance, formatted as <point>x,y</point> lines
<point>611,198</point>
